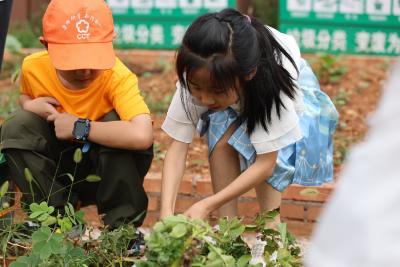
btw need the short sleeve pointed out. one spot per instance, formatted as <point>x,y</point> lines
<point>180,124</point>
<point>125,94</point>
<point>282,131</point>
<point>23,87</point>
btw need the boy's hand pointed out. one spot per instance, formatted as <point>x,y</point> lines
<point>63,125</point>
<point>42,106</point>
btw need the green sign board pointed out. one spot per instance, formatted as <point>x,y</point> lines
<point>158,24</point>
<point>343,26</point>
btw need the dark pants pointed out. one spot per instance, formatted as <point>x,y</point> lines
<point>28,141</point>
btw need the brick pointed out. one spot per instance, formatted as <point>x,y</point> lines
<point>293,211</point>
<point>91,216</point>
<point>204,187</point>
<point>152,183</point>
<point>248,208</point>
<point>294,192</point>
<point>183,203</point>
<point>153,203</point>
<point>151,218</point>
<point>299,228</point>
<point>250,194</point>
<point>186,186</point>
<point>313,212</point>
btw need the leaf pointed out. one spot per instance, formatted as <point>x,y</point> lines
<point>79,215</point>
<point>283,232</point>
<point>310,192</point>
<point>4,189</point>
<point>243,260</point>
<point>179,231</point>
<point>93,178</point>
<point>50,210</point>
<point>71,209</point>
<point>28,175</point>
<point>13,45</point>
<point>43,206</point>
<point>21,261</point>
<point>43,217</point>
<point>49,221</point>
<point>43,249</point>
<point>78,156</point>
<point>69,176</point>
<point>43,233</point>
<point>138,217</point>
<point>34,207</point>
<point>35,214</point>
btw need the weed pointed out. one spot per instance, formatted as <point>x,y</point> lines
<point>159,153</point>
<point>164,64</point>
<point>158,106</point>
<point>8,103</point>
<point>342,98</point>
<point>327,68</point>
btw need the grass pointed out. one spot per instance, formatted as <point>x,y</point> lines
<point>158,106</point>
<point>8,103</point>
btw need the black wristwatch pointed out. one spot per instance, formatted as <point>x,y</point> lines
<point>81,129</point>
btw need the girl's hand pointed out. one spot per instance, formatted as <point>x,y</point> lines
<point>63,125</point>
<point>199,210</point>
<point>42,106</point>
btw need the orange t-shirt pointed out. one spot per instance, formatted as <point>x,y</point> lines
<point>116,88</point>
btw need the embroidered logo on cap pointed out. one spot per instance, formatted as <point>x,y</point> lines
<point>82,27</point>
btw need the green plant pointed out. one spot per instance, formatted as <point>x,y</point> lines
<point>179,241</point>
<point>159,153</point>
<point>267,11</point>
<point>113,246</point>
<point>52,249</point>
<point>341,98</point>
<point>164,64</point>
<point>327,68</point>
<point>158,106</point>
<point>8,103</point>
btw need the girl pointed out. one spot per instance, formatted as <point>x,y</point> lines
<point>239,83</point>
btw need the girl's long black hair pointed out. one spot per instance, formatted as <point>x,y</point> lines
<point>232,47</point>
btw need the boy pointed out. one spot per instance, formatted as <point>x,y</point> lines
<point>78,95</point>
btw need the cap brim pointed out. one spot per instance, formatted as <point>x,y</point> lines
<point>82,56</point>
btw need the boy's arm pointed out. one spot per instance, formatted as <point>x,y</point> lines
<point>173,169</point>
<point>135,134</point>
<point>42,106</point>
<point>263,167</point>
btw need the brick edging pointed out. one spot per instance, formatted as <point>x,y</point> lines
<point>299,210</point>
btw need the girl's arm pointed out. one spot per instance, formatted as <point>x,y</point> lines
<point>173,169</point>
<point>262,168</point>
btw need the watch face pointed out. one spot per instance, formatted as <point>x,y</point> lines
<point>80,130</point>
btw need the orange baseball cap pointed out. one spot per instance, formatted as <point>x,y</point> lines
<point>79,34</point>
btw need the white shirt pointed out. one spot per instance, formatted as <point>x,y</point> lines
<point>281,132</point>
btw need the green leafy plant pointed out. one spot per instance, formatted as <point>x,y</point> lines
<point>52,249</point>
<point>328,69</point>
<point>179,241</point>
<point>158,106</point>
